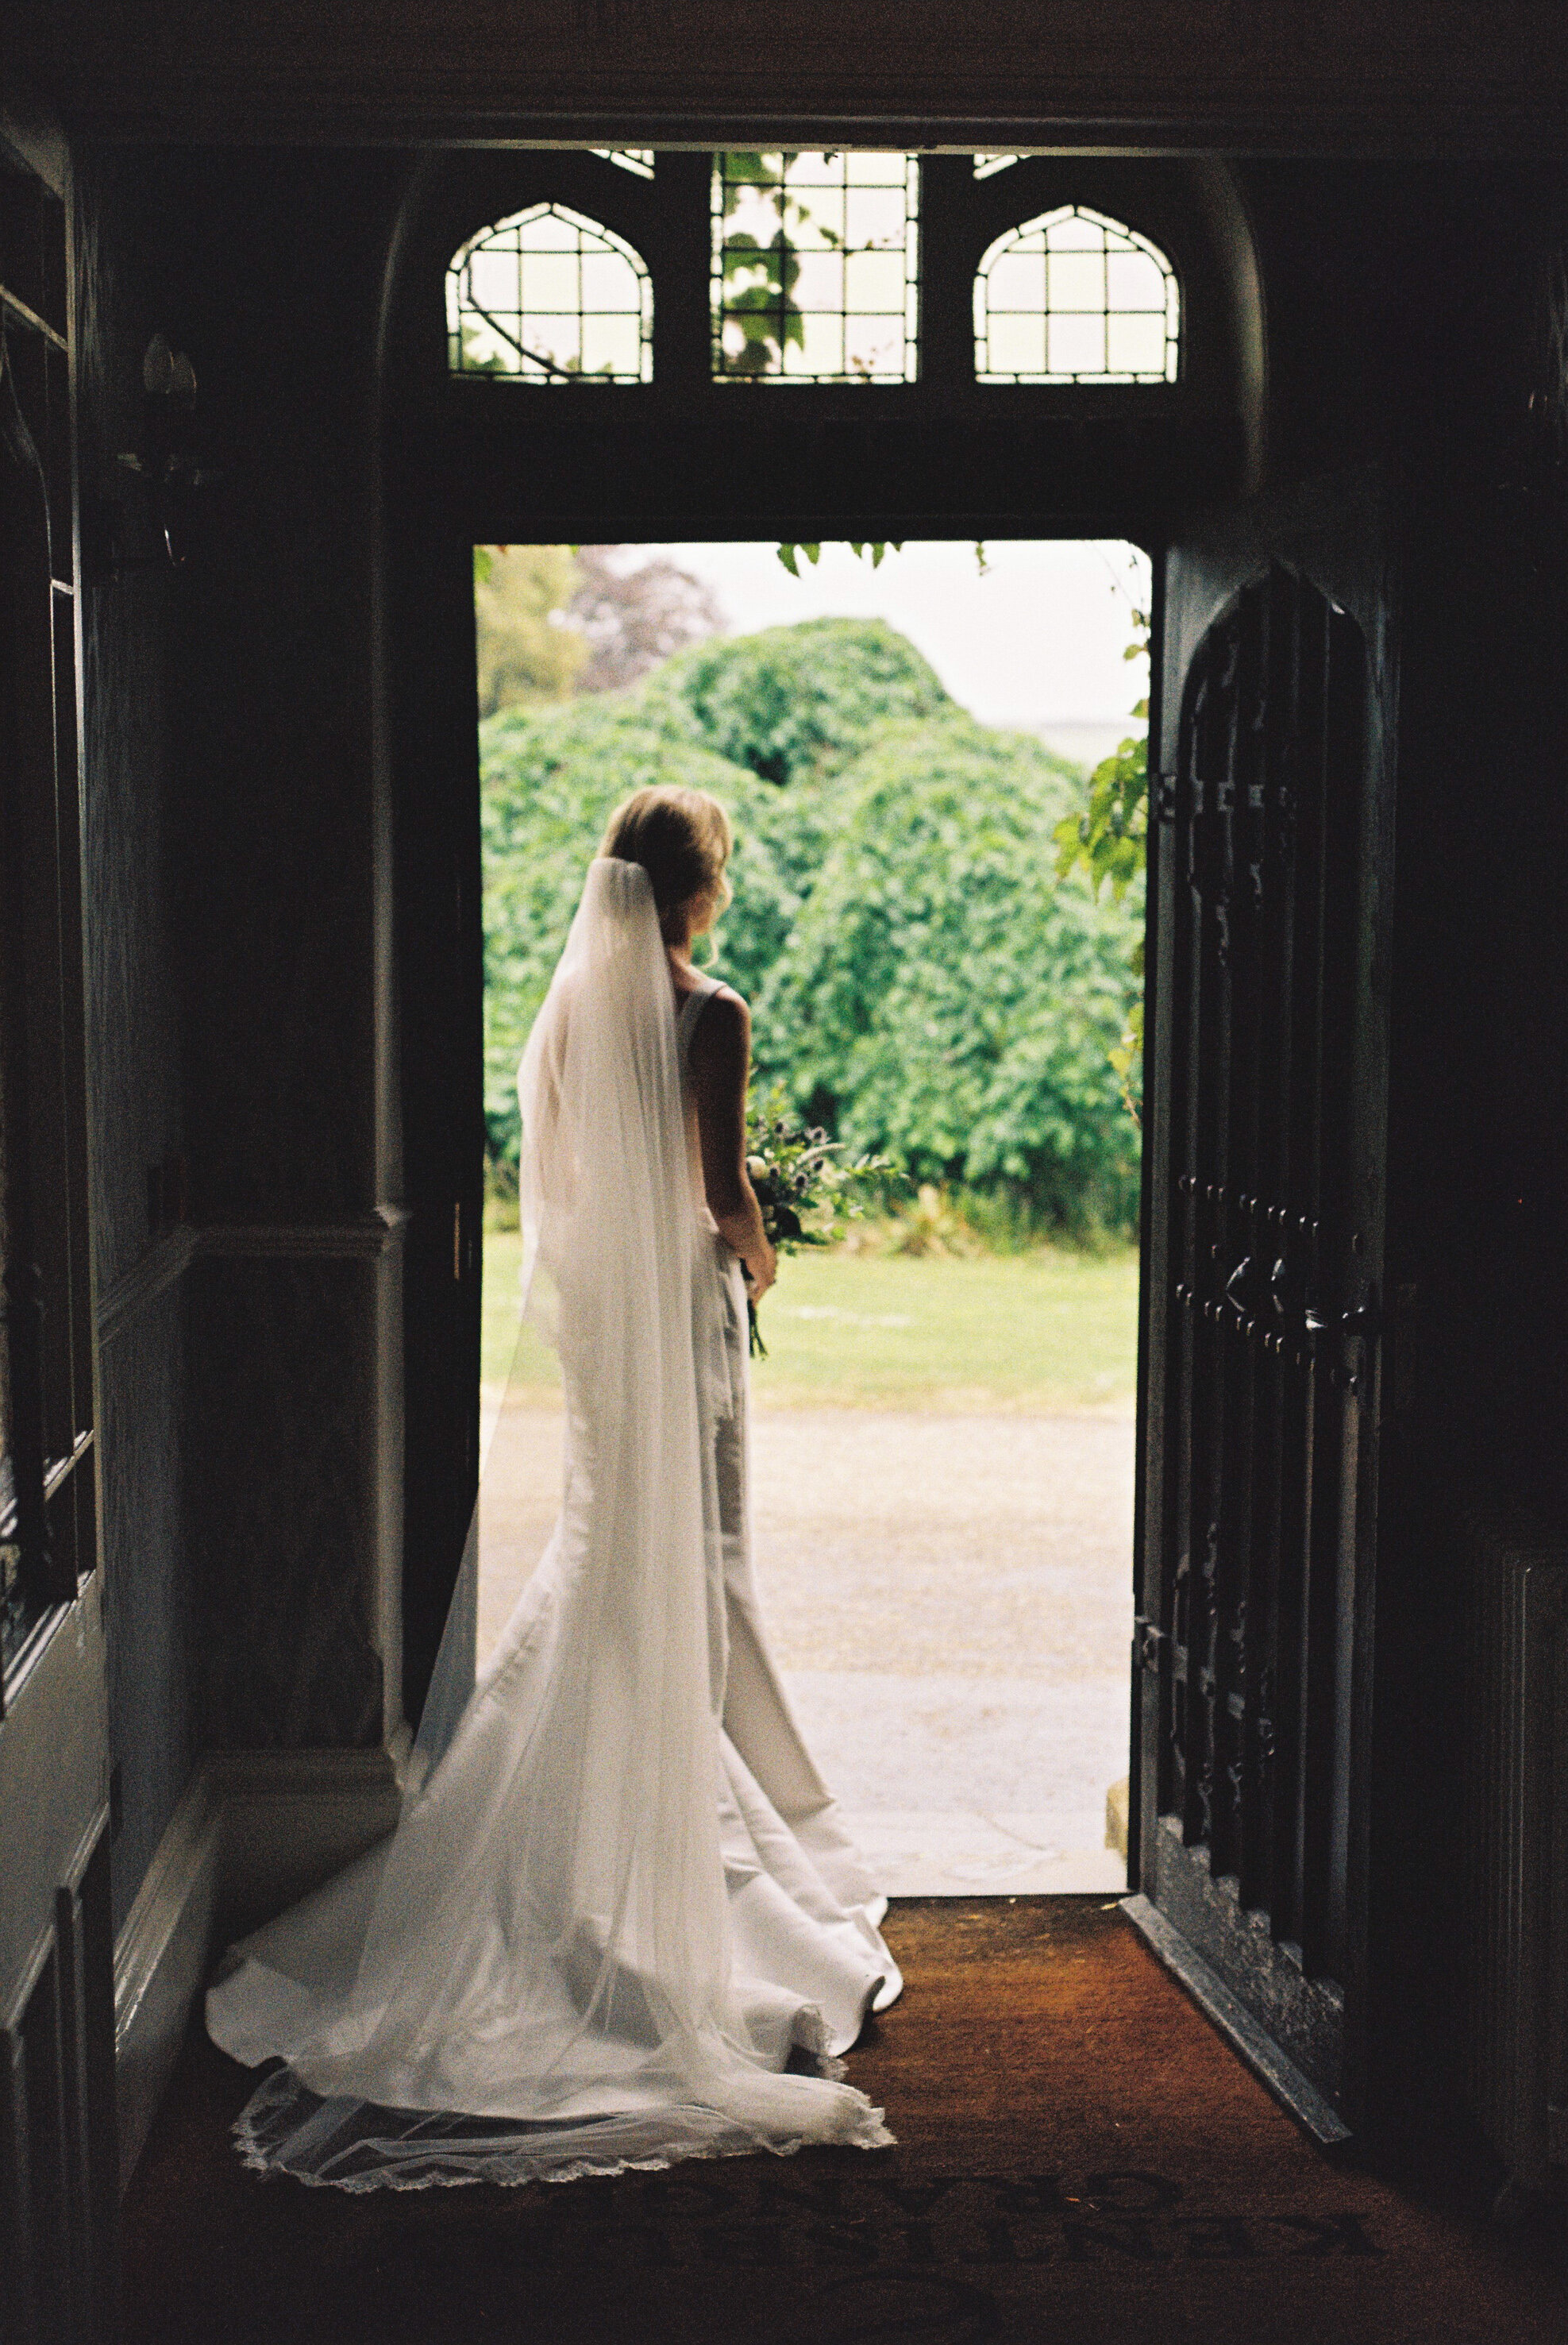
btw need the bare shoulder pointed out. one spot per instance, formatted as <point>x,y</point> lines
<point>722,1032</point>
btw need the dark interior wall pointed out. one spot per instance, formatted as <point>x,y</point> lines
<point>273,268</point>
<point>236,985</point>
<point>134,1042</point>
<point>1477,1369</point>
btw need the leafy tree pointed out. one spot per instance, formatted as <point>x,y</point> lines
<point>942,1000</point>
<point>551,780</point>
<point>1106,839</point>
<point>554,620</point>
<point>790,551</point>
<point>527,653</point>
<point>791,702</point>
<point>922,983</point>
<point>635,616</point>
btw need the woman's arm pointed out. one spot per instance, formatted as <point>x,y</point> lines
<point>720,1058</point>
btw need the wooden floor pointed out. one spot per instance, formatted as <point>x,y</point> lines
<point>1079,2158</point>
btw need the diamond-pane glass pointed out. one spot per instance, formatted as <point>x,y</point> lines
<point>549,296</point>
<point>816,267</point>
<point>1073,297</point>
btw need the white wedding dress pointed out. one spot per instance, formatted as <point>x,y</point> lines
<point>620,1922</point>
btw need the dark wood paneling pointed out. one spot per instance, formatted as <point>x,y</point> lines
<point>271,276</point>
<point>1324,75</point>
<point>148,1608</point>
<point>133,1030</point>
<point>280,1434</point>
<point>59,2179</point>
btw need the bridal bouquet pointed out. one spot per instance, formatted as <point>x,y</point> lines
<point>808,1190</point>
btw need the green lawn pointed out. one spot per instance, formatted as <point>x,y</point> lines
<point>1044,1332</point>
<point>500,1299</point>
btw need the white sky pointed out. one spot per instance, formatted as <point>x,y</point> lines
<point>1037,639</point>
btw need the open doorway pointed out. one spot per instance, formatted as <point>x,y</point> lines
<point>943,1434</point>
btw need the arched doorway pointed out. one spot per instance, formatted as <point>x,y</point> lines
<point>503,440</point>
<point>470,459</point>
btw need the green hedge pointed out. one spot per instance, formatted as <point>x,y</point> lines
<point>920,978</point>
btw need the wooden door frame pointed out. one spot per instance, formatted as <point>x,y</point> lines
<point>448,489</point>
<point>538,475</point>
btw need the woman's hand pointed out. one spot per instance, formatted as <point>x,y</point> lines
<point>762,1268</point>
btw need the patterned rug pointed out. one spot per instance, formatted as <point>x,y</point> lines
<point>1079,2159</point>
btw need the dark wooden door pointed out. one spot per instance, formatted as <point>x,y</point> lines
<point>58,2166</point>
<point>1271,865</point>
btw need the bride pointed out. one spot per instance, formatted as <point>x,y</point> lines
<point>620,1922</point>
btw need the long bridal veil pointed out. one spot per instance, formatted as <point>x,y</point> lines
<point>537,1973</point>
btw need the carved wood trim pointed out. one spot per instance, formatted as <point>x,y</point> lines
<point>363,1239</point>
<point>1230,2015</point>
<point>253,1831</point>
<point>141,1285</point>
<point>1304,2018</point>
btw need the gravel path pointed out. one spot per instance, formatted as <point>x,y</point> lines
<point>950,1599</point>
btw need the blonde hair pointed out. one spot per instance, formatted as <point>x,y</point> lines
<point>682,839</point>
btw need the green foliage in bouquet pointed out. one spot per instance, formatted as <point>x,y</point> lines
<point>810,1192</point>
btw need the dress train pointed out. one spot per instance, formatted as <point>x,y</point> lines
<point>620,1920</point>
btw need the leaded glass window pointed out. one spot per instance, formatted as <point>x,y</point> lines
<point>815,261</point>
<point>987,165</point>
<point>549,296</point>
<point>1073,297</point>
<point>639,160</point>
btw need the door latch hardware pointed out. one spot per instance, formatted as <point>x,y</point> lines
<point>1147,1640</point>
<point>1233,1282</point>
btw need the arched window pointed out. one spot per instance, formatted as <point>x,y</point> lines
<point>549,296</point>
<point>1073,297</point>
